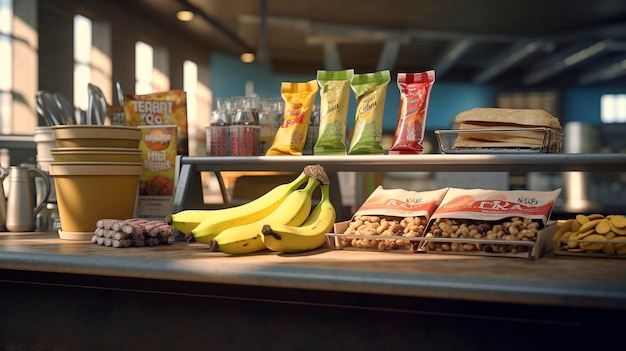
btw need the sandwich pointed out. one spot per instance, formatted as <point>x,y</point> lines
<point>506,128</point>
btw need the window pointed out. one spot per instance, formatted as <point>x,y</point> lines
<point>82,60</point>
<point>151,69</point>
<point>6,65</point>
<point>92,59</point>
<point>613,108</point>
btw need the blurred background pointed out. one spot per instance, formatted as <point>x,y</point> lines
<point>566,57</point>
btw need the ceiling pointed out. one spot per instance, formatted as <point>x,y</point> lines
<point>512,43</point>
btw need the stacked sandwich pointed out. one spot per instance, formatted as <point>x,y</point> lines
<point>507,128</point>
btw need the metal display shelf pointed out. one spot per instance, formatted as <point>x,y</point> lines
<point>189,188</point>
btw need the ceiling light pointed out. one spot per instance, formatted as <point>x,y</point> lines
<point>184,15</point>
<point>247,57</point>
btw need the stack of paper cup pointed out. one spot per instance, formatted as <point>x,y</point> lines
<point>45,142</point>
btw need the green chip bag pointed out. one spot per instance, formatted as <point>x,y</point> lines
<point>370,90</point>
<point>334,101</point>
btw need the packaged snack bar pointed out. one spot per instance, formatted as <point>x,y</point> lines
<point>291,135</point>
<point>334,101</point>
<point>414,97</point>
<point>155,196</point>
<point>163,108</point>
<point>370,90</point>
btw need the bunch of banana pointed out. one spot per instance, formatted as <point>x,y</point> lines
<point>203,225</point>
<point>309,236</point>
<point>243,239</point>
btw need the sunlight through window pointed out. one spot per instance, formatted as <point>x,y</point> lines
<point>613,108</point>
<point>6,65</point>
<point>82,60</point>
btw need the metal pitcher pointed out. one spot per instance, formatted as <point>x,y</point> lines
<point>3,200</point>
<point>22,208</point>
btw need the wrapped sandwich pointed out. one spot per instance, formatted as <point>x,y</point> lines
<point>507,128</point>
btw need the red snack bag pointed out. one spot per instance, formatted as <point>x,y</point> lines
<point>414,97</point>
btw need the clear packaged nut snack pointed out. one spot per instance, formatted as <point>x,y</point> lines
<point>489,222</point>
<point>390,219</point>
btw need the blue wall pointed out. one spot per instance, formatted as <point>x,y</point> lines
<point>229,76</point>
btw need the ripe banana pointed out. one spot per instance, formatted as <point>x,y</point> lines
<point>247,238</point>
<point>206,224</point>
<point>309,236</point>
<point>184,221</point>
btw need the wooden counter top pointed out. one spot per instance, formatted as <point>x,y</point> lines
<point>551,280</point>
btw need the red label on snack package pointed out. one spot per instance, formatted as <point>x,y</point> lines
<point>401,203</point>
<point>414,96</point>
<point>480,204</point>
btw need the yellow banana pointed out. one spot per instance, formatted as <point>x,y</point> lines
<point>209,223</point>
<point>184,221</point>
<point>247,238</point>
<point>309,236</point>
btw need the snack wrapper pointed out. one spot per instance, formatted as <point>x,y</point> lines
<point>155,198</point>
<point>414,97</point>
<point>159,109</point>
<point>370,90</point>
<point>401,202</point>
<point>291,136</point>
<point>494,205</point>
<point>334,101</point>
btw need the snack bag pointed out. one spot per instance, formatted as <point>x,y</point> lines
<point>493,222</point>
<point>370,90</point>
<point>291,135</point>
<point>155,196</point>
<point>334,101</point>
<point>169,107</point>
<point>414,97</point>
<point>390,218</point>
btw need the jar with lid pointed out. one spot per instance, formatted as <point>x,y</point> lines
<point>270,117</point>
<point>218,130</point>
<point>245,129</point>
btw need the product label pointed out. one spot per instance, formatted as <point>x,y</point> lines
<point>401,202</point>
<point>160,109</point>
<point>491,205</point>
<point>157,181</point>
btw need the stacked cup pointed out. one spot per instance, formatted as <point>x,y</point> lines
<point>96,171</point>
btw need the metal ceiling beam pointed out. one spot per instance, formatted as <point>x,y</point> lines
<point>608,72</point>
<point>510,57</point>
<point>453,54</point>
<point>263,52</point>
<point>217,24</point>
<point>319,32</point>
<point>389,55</point>
<point>570,57</point>
<point>332,60</point>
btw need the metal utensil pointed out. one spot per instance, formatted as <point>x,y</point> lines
<point>120,93</point>
<point>50,104</point>
<point>117,117</point>
<point>67,109</point>
<point>97,106</point>
<point>43,109</point>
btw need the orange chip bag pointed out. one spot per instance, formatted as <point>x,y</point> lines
<point>169,107</point>
<point>291,135</point>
